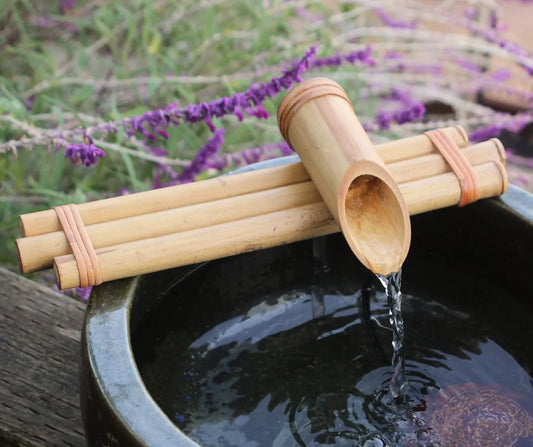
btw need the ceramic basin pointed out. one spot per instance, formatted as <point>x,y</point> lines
<point>480,249</point>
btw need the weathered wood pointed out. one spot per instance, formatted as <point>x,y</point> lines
<point>39,357</point>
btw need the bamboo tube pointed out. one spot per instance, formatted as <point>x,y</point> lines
<point>444,190</point>
<point>418,145</point>
<point>434,164</point>
<point>317,119</point>
<point>37,252</point>
<point>264,231</point>
<point>227,239</point>
<point>152,201</point>
<point>42,222</point>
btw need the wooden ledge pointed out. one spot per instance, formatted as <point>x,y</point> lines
<point>39,358</point>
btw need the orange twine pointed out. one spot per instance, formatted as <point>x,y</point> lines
<point>89,267</point>
<point>459,164</point>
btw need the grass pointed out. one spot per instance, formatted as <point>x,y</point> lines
<point>62,68</point>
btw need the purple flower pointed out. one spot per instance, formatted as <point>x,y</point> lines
<point>361,56</point>
<point>485,133</point>
<point>471,13</point>
<point>155,122</point>
<point>161,169</point>
<point>124,192</point>
<point>401,95</point>
<point>81,293</point>
<point>493,20</point>
<point>416,112</point>
<point>501,75</point>
<point>65,6</point>
<point>468,65</point>
<point>501,122</point>
<point>388,21</point>
<point>384,119</point>
<point>202,157</point>
<point>86,153</point>
<point>493,37</point>
<point>248,102</point>
<point>285,149</point>
<point>391,54</point>
<point>252,155</point>
<point>28,103</point>
<point>248,156</point>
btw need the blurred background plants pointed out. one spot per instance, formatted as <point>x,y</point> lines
<point>68,66</point>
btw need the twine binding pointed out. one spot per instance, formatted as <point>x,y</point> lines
<point>89,267</point>
<point>459,164</point>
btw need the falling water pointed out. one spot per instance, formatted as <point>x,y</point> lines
<point>392,284</point>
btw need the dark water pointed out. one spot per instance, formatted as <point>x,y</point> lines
<point>256,351</point>
<point>310,365</point>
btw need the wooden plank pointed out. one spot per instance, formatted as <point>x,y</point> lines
<point>39,357</point>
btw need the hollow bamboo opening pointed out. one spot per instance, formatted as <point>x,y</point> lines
<point>369,216</point>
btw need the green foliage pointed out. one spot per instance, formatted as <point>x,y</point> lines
<point>108,60</point>
<point>104,61</point>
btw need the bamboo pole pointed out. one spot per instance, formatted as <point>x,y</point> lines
<point>198,245</point>
<point>317,119</point>
<point>434,164</point>
<point>37,252</point>
<point>444,190</point>
<point>418,145</point>
<point>260,209</point>
<point>264,231</point>
<point>42,222</point>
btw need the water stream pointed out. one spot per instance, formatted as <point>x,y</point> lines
<point>392,284</point>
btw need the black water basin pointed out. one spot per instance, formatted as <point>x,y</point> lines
<point>266,349</point>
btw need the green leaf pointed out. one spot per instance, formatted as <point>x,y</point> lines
<point>155,42</point>
<point>79,196</point>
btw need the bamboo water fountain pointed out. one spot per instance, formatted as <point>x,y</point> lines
<point>231,351</point>
<point>343,183</point>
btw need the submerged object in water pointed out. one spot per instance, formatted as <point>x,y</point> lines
<point>475,415</point>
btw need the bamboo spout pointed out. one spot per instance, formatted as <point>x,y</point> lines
<point>317,119</point>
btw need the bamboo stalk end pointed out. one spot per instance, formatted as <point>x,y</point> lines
<point>503,176</point>
<point>66,272</point>
<point>374,218</point>
<point>22,226</point>
<point>20,256</point>
<point>501,149</point>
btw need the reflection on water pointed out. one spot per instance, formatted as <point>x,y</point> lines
<point>282,374</point>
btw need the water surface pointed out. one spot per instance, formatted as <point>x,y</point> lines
<point>281,374</point>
